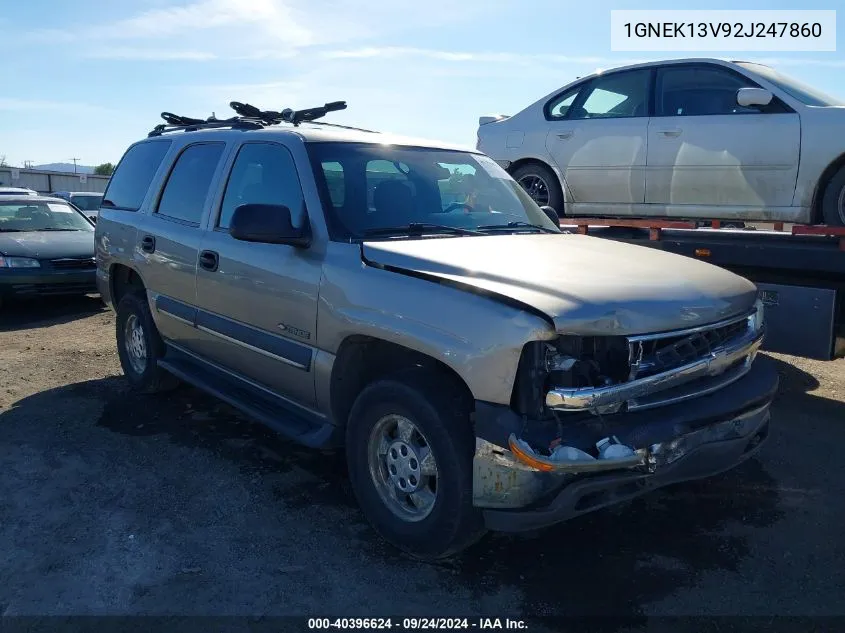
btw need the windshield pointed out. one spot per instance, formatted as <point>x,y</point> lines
<point>367,190</point>
<point>87,203</point>
<point>794,88</point>
<point>41,216</point>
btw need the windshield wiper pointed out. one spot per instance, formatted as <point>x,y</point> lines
<point>2,230</point>
<point>55,228</point>
<point>515,225</point>
<point>419,228</point>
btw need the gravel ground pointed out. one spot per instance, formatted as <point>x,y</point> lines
<point>112,503</point>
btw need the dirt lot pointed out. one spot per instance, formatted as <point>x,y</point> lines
<point>114,503</point>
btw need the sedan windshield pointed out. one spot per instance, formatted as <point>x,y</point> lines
<point>390,191</point>
<point>794,88</point>
<point>41,216</point>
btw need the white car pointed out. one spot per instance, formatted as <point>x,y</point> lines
<point>691,138</point>
<point>17,191</point>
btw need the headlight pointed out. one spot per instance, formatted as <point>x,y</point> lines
<point>568,362</point>
<point>18,262</point>
<point>758,318</point>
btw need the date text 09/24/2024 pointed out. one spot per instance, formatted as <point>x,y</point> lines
<point>416,624</point>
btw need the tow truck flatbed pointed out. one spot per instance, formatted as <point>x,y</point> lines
<point>799,270</point>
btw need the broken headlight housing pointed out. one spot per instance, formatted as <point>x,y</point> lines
<point>569,362</point>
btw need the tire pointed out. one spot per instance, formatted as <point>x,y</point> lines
<point>442,417</point>
<point>149,377</point>
<point>534,171</point>
<point>833,200</point>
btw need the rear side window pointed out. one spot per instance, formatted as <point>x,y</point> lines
<point>128,186</point>
<point>187,186</point>
<point>558,107</point>
<point>615,96</point>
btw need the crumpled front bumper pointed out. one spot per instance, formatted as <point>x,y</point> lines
<point>675,443</point>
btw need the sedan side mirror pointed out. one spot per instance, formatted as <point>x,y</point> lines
<point>551,214</point>
<point>268,223</point>
<point>753,97</point>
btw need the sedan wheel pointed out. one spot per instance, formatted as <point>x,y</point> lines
<point>541,184</point>
<point>833,200</point>
<point>536,187</point>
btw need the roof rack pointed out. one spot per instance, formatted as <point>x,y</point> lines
<point>251,118</point>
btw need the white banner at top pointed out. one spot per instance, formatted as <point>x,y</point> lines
<point>723,30</point>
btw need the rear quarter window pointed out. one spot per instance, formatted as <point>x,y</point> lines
<point>131,180</point>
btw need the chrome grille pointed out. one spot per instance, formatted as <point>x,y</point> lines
<point>659,353</point>
<point>73,263</point>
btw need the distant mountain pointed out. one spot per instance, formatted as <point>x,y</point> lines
<point>66,167</point>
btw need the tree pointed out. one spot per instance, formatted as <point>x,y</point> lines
<point>106,169</point>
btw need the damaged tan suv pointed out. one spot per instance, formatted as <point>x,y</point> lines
<point>409,302</point>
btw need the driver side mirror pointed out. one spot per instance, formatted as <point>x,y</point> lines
<point>551,214</point>
<point>753,97</point>
<point>269,224</point>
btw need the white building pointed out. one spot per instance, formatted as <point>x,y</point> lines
<point>49,181</point>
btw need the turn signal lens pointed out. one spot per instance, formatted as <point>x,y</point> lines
<point>527,458</point>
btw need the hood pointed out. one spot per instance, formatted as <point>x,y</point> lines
<point>48,244</point>
<point>584,285</point>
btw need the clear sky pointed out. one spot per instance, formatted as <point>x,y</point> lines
<point>86,78</point>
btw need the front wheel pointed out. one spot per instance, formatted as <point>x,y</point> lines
<point>833,201</point>
<point>410,444</point>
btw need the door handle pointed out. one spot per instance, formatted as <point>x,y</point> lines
<point>209,260</point>
<point>148,244</point>
<point>565,135</point>
<point>670,133</point>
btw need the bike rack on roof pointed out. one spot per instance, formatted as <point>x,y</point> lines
<point>250,118</point>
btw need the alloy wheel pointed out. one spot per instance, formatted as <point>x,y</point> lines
<point>535,187</point>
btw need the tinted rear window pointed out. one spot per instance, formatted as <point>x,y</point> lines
<point>128,186</point>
